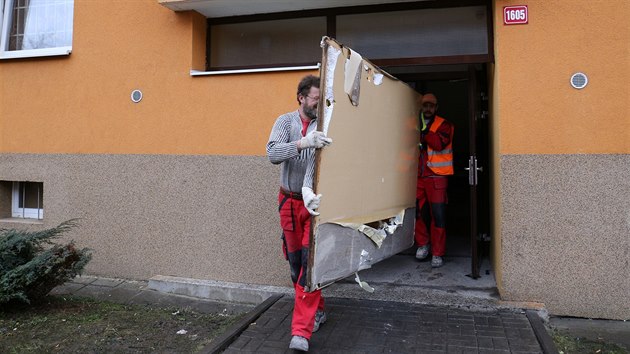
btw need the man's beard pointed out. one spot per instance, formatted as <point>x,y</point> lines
<point>311,112</point>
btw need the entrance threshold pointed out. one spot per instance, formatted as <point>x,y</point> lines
<point>405,279</point>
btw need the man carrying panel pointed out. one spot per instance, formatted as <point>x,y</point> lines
<point>292,144</point>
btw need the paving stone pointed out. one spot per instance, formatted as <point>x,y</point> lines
<point>485,343</point>
<point>455,349</point>
<point>107,282</point>
<point>463,341</point>
<point>460,318</point>
<point>481,320</point>
<point>67,289</point>
<point>500,343</point>
<point>95,292</point>
<point>240,342</point>
<point>526,348</point>
<point>84,279</point>
<point>493,351</point>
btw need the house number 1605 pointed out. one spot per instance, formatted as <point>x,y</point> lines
<point>515,14</point>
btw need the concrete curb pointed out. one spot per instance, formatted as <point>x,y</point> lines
<point>224,340</point>
<point>216,290</point>
<point>544,339</point>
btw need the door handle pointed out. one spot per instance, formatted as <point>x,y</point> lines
<point>477,168</point>
<point>472,171</point>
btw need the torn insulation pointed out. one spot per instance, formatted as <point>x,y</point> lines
<point>352,84</point>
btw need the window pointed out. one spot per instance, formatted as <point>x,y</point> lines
<point>33,28</point>
<point>27,200</point>
<point>414,33</point>
<point>283,42</point>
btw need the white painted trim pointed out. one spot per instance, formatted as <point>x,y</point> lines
<point>22,221</point>
<point>247,71</point>
<point>4,23</point>
<point>32,53</point>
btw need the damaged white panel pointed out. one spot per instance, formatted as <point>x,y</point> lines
<point>378,79</point>
<point>369,172</point>
<point>352,80</point>
<point>364,285</point>
<point>378,234</point>
<point>329,99</point>
<point>340,251</point>
<point>368,176</point>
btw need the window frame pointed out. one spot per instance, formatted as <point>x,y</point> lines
<point>24,213</point>
<point>5,19</point>
<point>331,15</point>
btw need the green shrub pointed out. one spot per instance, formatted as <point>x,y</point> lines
<point>31,265</point>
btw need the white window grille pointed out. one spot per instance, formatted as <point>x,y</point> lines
<point>28,200</point>
<point>32,28</point>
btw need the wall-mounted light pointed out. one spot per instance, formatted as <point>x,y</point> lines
<point>579,80</point>
<point>136,96</point>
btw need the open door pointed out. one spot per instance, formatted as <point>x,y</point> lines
<point>477,162</point>
<point>368,175</point>
<point>463,101</point>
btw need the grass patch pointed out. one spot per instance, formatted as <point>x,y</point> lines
<point>82,325</point>
<point>577,345</point>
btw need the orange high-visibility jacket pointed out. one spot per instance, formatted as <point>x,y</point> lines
<point>440,161</point>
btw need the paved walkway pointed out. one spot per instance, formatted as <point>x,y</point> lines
<point>368,326</point>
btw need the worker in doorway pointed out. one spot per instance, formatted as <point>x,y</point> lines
<point>436,163</point>
<point>292,144</point>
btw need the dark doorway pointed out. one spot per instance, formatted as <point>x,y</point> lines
<point>462,96</point>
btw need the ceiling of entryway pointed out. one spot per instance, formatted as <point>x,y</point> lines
<point>225,8</point>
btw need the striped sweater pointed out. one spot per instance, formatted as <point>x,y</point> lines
<point>298,167</point>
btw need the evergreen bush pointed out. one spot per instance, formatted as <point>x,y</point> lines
<point>31,265</point>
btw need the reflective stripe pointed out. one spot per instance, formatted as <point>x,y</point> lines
<point>440,164</point>
<point>442,152</point>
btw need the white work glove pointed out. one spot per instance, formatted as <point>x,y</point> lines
<point>314,139</point>
<point>311,201</point>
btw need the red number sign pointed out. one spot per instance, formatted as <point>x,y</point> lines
<point>515,15</point>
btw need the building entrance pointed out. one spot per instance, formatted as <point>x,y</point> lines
<point>462,99</point>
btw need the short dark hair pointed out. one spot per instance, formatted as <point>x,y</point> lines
<point>305,85</point>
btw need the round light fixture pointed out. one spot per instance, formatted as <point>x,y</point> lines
<point>579,80</point>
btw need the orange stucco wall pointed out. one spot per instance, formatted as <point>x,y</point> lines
<point>81,103</point>
<point>539,111</point>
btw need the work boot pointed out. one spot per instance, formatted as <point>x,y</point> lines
<point>422,252</point>
<point>320,319</point>
<point>299,343</point>
<point>437,262</point>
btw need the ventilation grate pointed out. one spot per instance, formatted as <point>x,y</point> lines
<point>136,96</point>
<point>579,80</point>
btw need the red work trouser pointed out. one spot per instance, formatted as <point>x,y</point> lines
<point>296,223</point>
<point>431,196</point>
